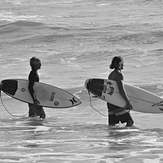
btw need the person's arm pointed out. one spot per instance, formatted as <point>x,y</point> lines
<point>123,92</point>
<point>31,90</point>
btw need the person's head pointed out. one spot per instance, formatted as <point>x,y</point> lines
<point>117,63</point>
<point>35,63</point>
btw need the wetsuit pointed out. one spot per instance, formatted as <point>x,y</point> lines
<point>34,110</point>
<point>115,113</point>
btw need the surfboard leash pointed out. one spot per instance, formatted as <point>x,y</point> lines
<point>5,108</point>
<point>91,105</point>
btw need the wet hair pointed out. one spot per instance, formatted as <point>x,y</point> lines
<point>115,62</point>
<point>34,61</point>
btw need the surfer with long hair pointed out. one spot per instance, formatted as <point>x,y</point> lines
<point>117,114</point>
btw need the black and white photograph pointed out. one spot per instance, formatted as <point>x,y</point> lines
<point>81,81</point>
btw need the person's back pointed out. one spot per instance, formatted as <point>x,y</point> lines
<point>115,75</point>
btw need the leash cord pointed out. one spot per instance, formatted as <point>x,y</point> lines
<point>91,105</point>
<point>12,115</point>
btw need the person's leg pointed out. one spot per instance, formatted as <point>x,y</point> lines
<point>35,110</point>
<point>32,110</point>
<point>126,118</point>
<point>40,112</point>
<point>112,120</point>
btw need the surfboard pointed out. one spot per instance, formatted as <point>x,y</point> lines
<point>142,100</point>
<point>48,95</point>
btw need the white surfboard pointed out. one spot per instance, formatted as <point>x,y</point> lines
<point>48,95</point>
<point>142,100</point>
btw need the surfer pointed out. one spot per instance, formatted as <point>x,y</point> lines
<point>34,109</point>
<point>115,113</point>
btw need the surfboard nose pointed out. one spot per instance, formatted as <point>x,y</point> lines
<point>9,86</point>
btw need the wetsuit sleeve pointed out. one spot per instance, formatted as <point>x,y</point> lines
<point>31,79</point>
<point>119,80</point>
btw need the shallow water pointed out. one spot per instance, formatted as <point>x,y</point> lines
<point>54,140</point>
<point>78,135</point>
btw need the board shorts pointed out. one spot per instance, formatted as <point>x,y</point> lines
<point>122,116</point>
<point>36,110</point>
<point>114,119</point>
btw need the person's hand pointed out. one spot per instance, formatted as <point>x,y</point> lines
<point>36,102</point>
<point>129,106</point>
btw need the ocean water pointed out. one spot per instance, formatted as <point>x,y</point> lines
<point>76,40</point>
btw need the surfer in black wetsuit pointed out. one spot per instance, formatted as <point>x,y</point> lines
<point>34,109</point>
<point>115,113</point>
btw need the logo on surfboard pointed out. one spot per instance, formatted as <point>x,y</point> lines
<point>108,88</point>
<point>56,103</point>
<point>73,100</point>
<point>23,89</point>
<point>52,96</point>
